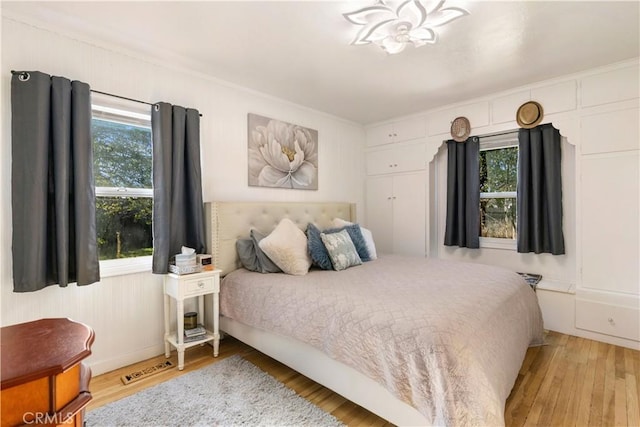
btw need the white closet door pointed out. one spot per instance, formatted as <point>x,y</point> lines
<point>409,214</point>
<point>610,225</point>
<point>379,218</point>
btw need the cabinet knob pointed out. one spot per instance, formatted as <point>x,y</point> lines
<point>201,284</point>
<point>395,134</point>
<point>395,165</point>
<point>390,135</point>
<point>611,321</point>
<point>389,198</point>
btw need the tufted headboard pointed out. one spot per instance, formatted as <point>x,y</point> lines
<point>228,221</point>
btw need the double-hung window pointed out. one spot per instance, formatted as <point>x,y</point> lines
<point>498,186</point>
<point>122,154</point>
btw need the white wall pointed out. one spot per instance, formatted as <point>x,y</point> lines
<point>126,311</point>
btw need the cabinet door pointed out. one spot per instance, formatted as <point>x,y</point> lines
<point>409,158</point>
<point>409,214</point>
<point>408,129</point>
<point>610,227</point>
<point>403,130</point>
<point>380,162</point>
<point>402,159</point>
<point>379,135</point>
<point>379,218</point>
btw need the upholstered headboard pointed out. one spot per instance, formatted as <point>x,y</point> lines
<point>228,221</point>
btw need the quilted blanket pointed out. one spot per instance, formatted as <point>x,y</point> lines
<point>446,337</point>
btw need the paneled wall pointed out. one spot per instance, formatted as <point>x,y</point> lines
<point>593,290</point>
<point>126,310</point>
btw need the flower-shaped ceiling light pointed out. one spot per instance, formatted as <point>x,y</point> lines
<point>412,21</point>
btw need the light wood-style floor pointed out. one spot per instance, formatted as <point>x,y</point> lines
<point>568,382</point>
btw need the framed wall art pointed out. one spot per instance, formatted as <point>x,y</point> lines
<point>281,154</point>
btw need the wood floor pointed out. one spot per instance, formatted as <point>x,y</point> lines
<point>568,382</point>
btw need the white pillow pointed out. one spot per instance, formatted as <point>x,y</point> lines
<point>286,246</point>
<point>366,233</point>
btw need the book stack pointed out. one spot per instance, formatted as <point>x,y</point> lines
<point>532,279</point>
<point>194,334</point>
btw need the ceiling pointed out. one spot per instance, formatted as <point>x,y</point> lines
<point>300,50</point>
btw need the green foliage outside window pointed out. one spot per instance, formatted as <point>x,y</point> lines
<point>498,173</point>
<point>122,155</point>
<point>124,227</point>
<point>122,159</point>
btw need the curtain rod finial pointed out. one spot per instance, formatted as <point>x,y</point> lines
<point>23,76</point>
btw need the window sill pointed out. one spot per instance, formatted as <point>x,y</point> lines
<point>120,267</point>
<point>495,243</point>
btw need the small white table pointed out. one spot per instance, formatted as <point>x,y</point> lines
<point>181,287</point>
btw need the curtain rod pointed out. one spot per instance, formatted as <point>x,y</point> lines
<point>506,132</point>
<point>126,99</point>
<point>120,97</point>
<point>24,75</point>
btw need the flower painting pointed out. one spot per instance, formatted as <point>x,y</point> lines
<point>282,155</point>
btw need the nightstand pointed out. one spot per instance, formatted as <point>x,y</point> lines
<point>181,287</point>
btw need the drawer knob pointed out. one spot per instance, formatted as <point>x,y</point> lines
<point>201,284</point>
<point>611,321</point>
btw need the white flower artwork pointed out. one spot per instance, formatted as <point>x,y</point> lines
<point>282,155</point>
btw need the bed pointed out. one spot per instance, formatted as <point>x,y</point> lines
<point>416,341</point>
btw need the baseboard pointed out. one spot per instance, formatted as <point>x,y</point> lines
<point>101,366</point>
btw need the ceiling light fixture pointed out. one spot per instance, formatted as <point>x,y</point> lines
<point>393,28</point>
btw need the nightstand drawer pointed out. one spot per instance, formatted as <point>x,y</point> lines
<point>199,286</point>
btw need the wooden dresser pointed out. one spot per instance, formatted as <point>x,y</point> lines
<point>44,381</point>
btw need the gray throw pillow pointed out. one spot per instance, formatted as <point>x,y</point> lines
<point>252,257</point>
<point>247,254</point>
<point>264,262</point>
<point>318,252</point>
<point>341,250</point>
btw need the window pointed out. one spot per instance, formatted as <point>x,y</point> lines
<point>122,170</point>
<point>498,185</point>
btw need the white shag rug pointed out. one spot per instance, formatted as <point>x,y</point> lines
<point>232,392</point>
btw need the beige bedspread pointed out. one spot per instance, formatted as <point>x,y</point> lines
<point>446,337</point>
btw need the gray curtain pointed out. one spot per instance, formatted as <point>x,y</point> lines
<point>53,193</point>
<point>178,210</point>
<point>463,194</point>
<point>540,191</point>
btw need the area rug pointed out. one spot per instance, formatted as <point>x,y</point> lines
<point>146,372</point>
<point>232,392</point>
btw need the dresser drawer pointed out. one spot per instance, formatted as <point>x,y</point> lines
<point>609,319</point>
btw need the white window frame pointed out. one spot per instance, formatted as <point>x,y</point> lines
<point>105,107</point>
<point>496,142</point>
